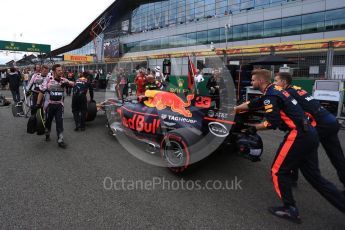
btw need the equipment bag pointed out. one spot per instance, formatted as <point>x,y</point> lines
<point>40,122</point>
<point>31,126</point>
<point>17,109</point>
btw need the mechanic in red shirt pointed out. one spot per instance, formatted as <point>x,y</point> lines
<point>140,81</point>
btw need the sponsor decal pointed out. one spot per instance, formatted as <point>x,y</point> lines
<point>302,92</point>
<point>138,123</point>
<point>269,106</point>
<point>178,119</point>
<point>267,102</point>
<point>286,93</point>
<point>160,100</point>
<point>218,129</point>
<point>212,113</point>
<point>203,102</point>
<point>309,98</point>
<point>78,58</point>
<point>170,124</point>
<point>279,88</point>
<point>222,115</point>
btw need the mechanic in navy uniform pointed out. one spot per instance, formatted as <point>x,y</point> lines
<point>152,84</point>
<point>215,86</point>
<point>298,149</point>
<point>79,100</point>
<point>53,89</point>
<point>326,124</point>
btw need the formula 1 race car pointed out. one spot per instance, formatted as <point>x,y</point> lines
<point>182,131</point>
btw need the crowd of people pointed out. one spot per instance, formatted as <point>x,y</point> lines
<point>286,107</point>
<point>46,88</point>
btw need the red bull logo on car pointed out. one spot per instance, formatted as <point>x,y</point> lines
<point>138,123</point>
<point>160,100</point>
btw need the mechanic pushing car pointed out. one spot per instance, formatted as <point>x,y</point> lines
<point>79,100</point>
<point>326,124</point>
<point>298,149</point>
<point>54,89</point>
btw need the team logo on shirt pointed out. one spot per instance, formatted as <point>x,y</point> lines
<point>267,102</point>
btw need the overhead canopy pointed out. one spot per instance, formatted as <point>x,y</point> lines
<point>271,60</point>
<point>117,10</point>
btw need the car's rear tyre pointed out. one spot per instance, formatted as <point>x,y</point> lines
<point>175,153</point>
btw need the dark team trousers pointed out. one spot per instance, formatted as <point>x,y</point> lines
<point>15,94</point>
<point>68,90</point>
<point>328,134</point>
<point>34,97</point>
<point>79,109</point>
<point>299,150</point>
<point>55,111</point>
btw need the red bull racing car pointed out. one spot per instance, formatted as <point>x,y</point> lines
<point>181,129</point>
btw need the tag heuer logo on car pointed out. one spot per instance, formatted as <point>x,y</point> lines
<point>164,116</point>
<point>218,129</point>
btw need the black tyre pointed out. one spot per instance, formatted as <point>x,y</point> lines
<point>91,111</point>
<point>175,152</point>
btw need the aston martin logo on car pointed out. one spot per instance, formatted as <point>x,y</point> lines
<point>218,129</point>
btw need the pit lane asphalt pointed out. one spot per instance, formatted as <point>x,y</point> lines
<point>44,187</point>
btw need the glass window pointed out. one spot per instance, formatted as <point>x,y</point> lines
<point>291,21</point>
<point>234,5</point>
<point>247,4</point>
<point>201,37</point>
<point>262,2</point>
<point>213,36</point>
<point>276,23</point>
<point>210,8</point>
<point>222,37</point>
<point>275,1</point>
<point>336,24</point>
<point>313,22</point>
<point>335,14</point>
<point>272,28</point>
<point>335,19</point>
<point>173,41</point>
<point>165,42</point>
<point>291,25</point>
<point>190,10</point>
<point>191,39</point>
<point>181,40</point>
<point>199,10</point>
<point>311,18</point>
<point>255,30</point>
<point>239,32</point>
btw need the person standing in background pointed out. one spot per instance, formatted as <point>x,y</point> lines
<point>14,82</point>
